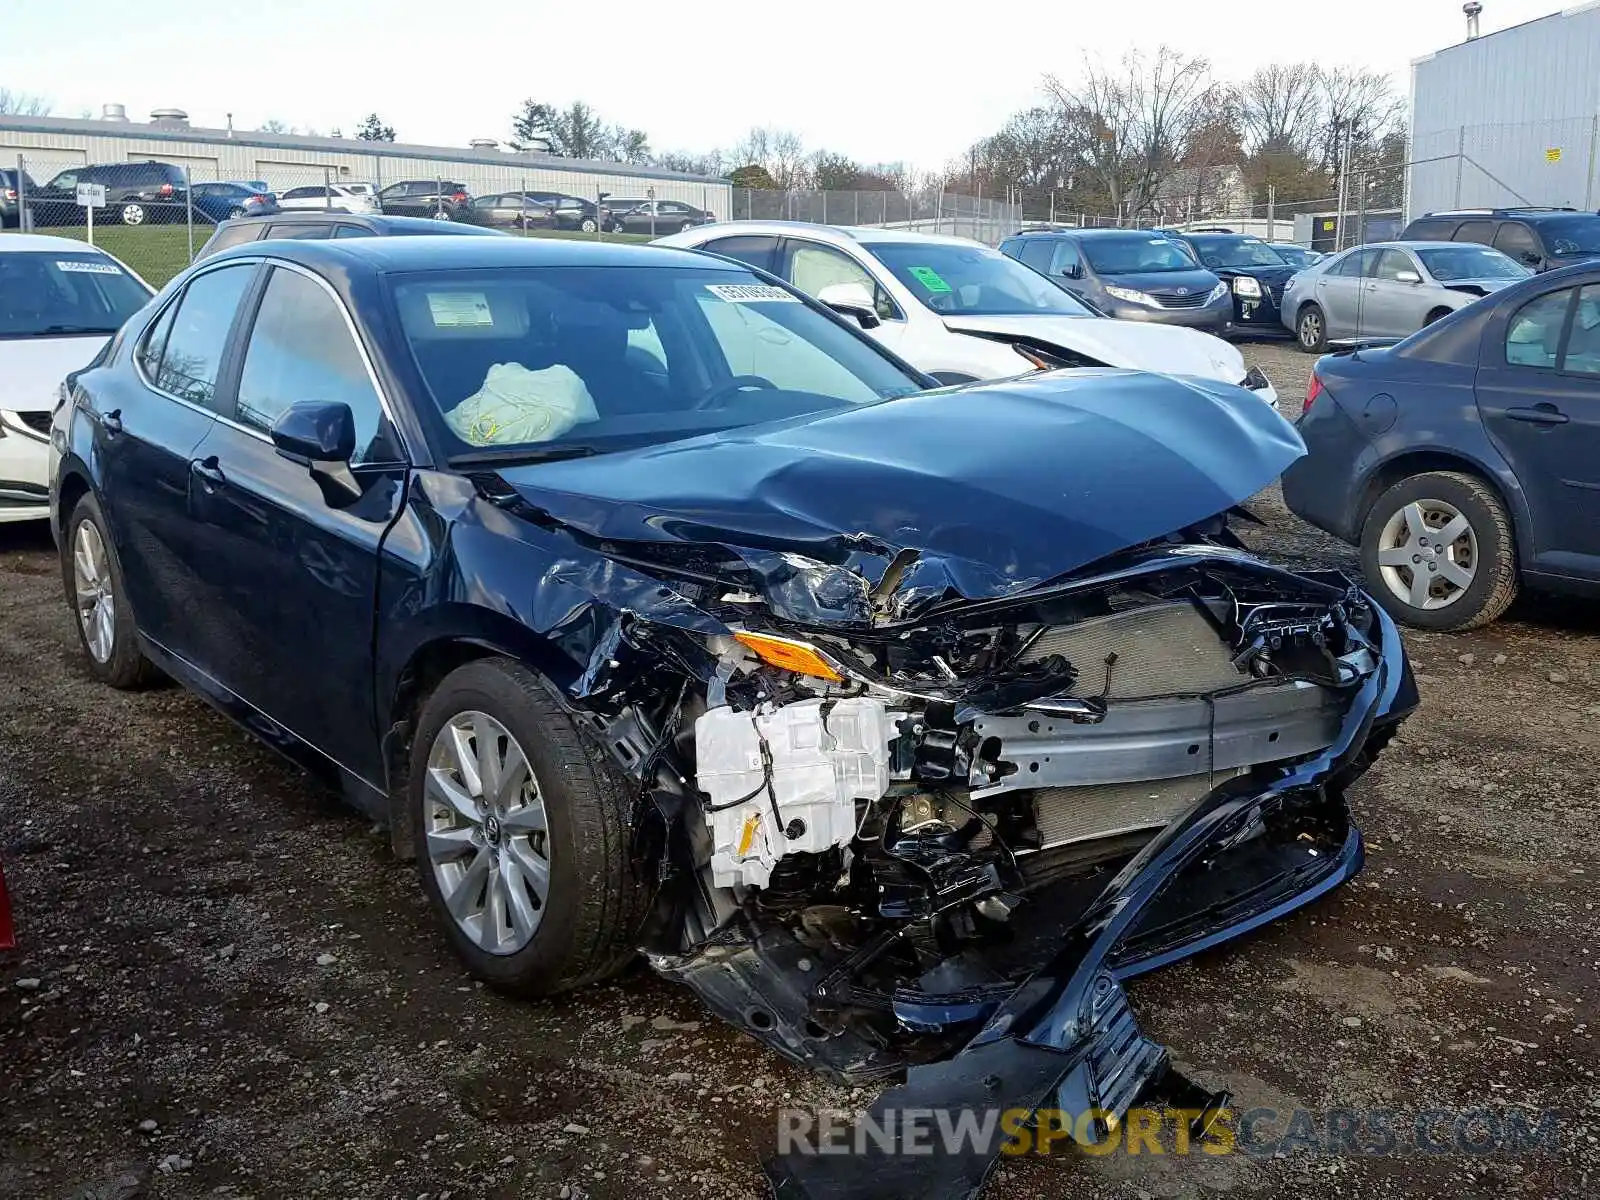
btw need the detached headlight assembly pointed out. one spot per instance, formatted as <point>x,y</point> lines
<point>1130,296</point>
<point>1217,293</point>
<point>1249,288</point>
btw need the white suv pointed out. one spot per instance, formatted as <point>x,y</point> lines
<point>337,197</point>
<point>960,311</point>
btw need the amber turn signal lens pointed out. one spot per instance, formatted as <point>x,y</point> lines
<point>789,655</point>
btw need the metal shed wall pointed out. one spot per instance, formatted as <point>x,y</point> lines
<point>53,144</point>
<point>1509,118</point>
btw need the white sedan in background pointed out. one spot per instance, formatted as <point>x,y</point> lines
<point>60,302</point>
<point>960,311</point>
<point>337,197</point>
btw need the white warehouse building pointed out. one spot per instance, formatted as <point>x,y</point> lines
<point>1509,118</point>
<point>47,145</point>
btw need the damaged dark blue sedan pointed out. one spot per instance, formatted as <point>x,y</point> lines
<point>655,609</point>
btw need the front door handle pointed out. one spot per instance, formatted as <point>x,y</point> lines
<point>1539,414</point>
<point>111,422</point>
<point>208,472</point>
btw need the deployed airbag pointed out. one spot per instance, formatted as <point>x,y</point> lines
<point>516,406</point>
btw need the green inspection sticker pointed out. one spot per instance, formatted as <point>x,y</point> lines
<point>930,279</point>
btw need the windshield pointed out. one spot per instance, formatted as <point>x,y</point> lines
<point>1449,263</point>
<point>975,280</point>
<point>555,361</point>
<point>1135,254</point>
<point>1571,235</point>
<point>46,293</point>
<point>1297,256</point>
<point>1236,252</point>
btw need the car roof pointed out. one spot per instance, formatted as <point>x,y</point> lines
<point>376,221</point>
<point>838,235</point>
<point>46,244</point>
<point>1417,244</point>
<point>445,253</point>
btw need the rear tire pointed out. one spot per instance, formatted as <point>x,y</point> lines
<point>133,214</point>
<point>1482,558</point>
<point>92,576</point>
<point>588,225</point>
<point>1311,329</point>
<point>585,926</point>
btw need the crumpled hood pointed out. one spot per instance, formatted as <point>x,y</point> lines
<point>35,367</point>
<point>1488,285</point>
<point>1138,345</point>
<point>993,488</point>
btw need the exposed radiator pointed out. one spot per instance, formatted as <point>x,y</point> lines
<point>1077,814</point>
<point>1162,650</point>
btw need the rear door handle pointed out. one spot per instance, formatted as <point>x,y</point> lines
<point>207,470</point>
<point>111,422</point>
<point>1539,414</point>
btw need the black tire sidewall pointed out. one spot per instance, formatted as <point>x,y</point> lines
<point>491,686</point>
<point>1465,610</point>
<point>126,668</point>
<point>1322,338</point>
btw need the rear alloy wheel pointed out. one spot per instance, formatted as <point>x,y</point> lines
<point>1311,329</point>
<point>442,214</point>
<point>1438,551</point>
<point>588,225</point>
<point>133,214</point>
<point>235,213</point>
<point>522,833</point>
<point>93,580</point>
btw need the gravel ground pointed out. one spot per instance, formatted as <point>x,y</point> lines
<point>227,988</point>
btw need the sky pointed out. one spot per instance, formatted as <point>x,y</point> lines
<point>885,82</point>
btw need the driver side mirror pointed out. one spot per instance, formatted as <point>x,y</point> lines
<point>1531,258</point>
<point>1071,271</point>
<point>321,436</point>
<point>1407,277</point>
<point>851,300</point>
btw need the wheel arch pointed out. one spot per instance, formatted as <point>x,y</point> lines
<point>452,638</point>
<point>1418,462</point>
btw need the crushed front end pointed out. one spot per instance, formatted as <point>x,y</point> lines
<point>939,845</point>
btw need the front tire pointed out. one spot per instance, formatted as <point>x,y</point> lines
<point>442,214</point>
<point>92,576</point>
<point>522,834</point>
<point>1439,553</point>
<point>588,225</point>
<point>235,213</point>
<point>1311,329</point>
<point>1437,314</point>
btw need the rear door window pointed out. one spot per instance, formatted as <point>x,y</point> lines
<point>1533,338</point>
<point>191,356</point>
<point>1516,241</point>
<point>756,251</point>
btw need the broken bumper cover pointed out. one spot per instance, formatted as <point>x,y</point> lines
<point>1066,1039</point>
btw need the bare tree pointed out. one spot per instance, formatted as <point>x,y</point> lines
<point>274,125</point>
<point>1362,101</point>
<point>780,151</point>
<point>1137,120</point>
<point>23,104</point>
<point>1280,108</point>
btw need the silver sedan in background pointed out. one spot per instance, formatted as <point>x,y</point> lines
<point>1390,289</point>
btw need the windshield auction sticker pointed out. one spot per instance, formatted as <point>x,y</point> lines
<point>930,279</point>
<point>750,293</point>
<point>458,310</point>
<point>87,268</point>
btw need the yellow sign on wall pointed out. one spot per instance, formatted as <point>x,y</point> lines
<point>1553,154</point>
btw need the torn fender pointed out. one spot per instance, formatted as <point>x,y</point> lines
<point>1066,1038</point>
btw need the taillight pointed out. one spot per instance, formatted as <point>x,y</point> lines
<point>11,193</point>
<point>166,189</point>
<point>459,197</point>
<point>1313,390</point>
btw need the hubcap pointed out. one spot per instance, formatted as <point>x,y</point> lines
<point>1428,554</point>
<point>488,839</point>
<point>91,582</point>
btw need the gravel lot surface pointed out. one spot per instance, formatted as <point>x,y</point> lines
<point>227,988</point>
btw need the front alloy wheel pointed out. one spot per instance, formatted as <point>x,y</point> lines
<point>523,833</point>
<point>588,225</point>
<point>486,832</point>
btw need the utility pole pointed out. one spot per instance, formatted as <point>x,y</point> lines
<point>1344,182</point>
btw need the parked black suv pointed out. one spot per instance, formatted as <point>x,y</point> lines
<point>137,193</point>
<point>441,201</point>
<point>10,195</point>
<point>1254,272</point>
<point>329,224</point>
<point>1541,238</point>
